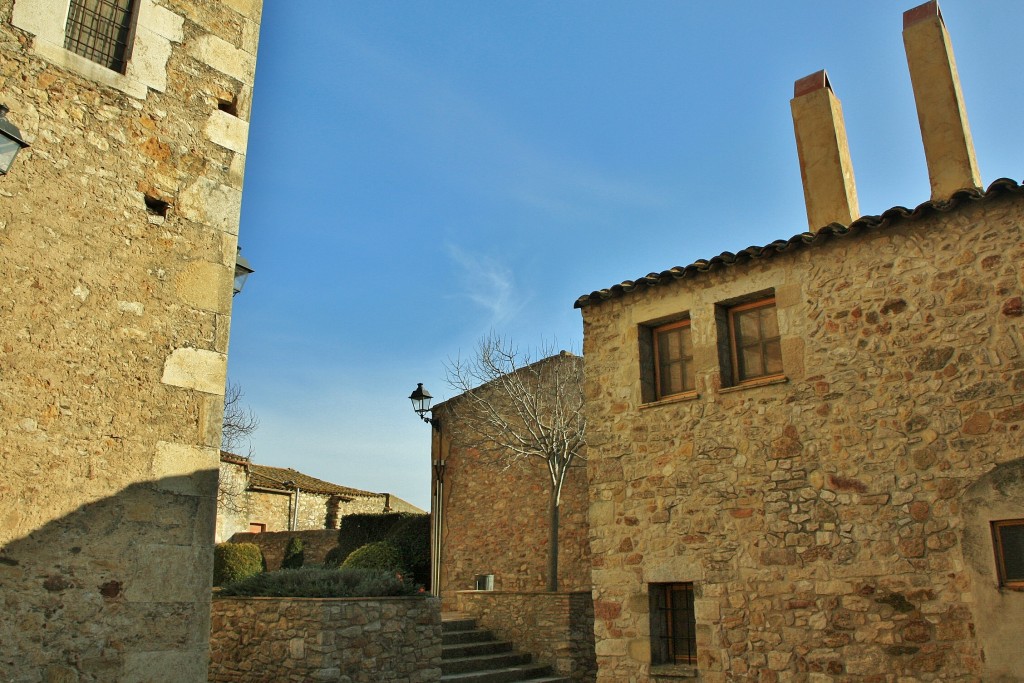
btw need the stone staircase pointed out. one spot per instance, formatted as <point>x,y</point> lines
<point>472,655</point>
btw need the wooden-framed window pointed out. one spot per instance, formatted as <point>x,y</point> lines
<point>1008,538</point>
<point>673,623</point>
<point>673,359</point>
<point>101,31</point>
<point>755,345</point>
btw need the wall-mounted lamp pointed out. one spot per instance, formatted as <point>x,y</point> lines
<point>10,141</point>
<point>242,271</point>
<point>421,399</point>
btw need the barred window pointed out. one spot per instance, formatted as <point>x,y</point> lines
<point>101,31</point>
<point>673,624</point>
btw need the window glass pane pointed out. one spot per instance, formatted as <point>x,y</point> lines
<point>1011,537</point>
<point>756,342</point>
<point>675,379</point>
<point>750,362</point>
<point>672,345</point>
<point>687,345</point>
<point>773,357</point>
<point>747,326</point>
<point>688,380</point>
<point>769,322</point>
<point>674,354</point>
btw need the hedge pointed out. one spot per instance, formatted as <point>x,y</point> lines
<point>322,582</point>
<point>409,532</point>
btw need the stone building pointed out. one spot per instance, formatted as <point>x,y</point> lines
<point>805,459</point>
<point>258,498</point>
<point>118,234</point>
<point>491,512</point>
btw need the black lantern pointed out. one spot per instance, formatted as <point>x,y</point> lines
<point>242,271</point>
<point>10,141</point>
<point>421,399</point>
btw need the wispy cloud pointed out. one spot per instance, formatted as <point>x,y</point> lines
<point>487,283</point>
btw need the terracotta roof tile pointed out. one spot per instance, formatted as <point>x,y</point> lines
<point>274,478</point>
<point>802,240</point>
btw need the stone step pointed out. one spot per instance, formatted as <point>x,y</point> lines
<point>472,655</point>
<point>500,660</point>
<point>456,650</point>
<point>461,624</point>
<point>525,673</point>
<point>455,637</point>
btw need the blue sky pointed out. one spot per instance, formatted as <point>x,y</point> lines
<point>421,173</point>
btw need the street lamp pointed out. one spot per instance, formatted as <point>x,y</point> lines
<point>242,271</point>
<point>10,141</point>
<point>421,399</point>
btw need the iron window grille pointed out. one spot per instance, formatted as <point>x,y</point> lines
<point>673,624</point>
<point>101,31</point>
<point>1008,538</point>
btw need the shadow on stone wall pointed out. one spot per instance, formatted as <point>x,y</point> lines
<point>117,590</point>
<point>998,610</point>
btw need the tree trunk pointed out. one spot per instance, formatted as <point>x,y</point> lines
<point>553,541</point>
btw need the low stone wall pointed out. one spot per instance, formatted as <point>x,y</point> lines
<point>352,640</point>
<point>556,628</point>
<point>316,543</point>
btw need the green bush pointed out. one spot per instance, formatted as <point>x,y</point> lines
<point>236,561</point>
<point>335,556</point>
<point>321,582</point>
<point>411,536</point>
<point>381,555</point>
<point>409,532</point>
<point>294,555</point>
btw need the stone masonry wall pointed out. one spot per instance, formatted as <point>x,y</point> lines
<point>495,515</point>
<point>822,519</point>
<point>238,506</point>
<point>361,640</point>
<point>556,628</point>
<point>118,233</point>
<point>496,522</point>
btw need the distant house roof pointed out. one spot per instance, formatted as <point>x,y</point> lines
<point>805,239</point>
<point>286,479</point>
<point>563,354</point>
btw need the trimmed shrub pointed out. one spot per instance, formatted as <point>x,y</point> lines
<point>381,555</point>
<point>411,536</point>
<point>236,561</point>
<point>409,532</point>
<point>335,556</point>
<point>294,555</point>
<point>321,582</point>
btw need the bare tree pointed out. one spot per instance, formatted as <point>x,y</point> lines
<point>517,408</point>
<point>239,421</point>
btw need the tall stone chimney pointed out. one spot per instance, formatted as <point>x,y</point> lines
<point>830,192</point>
<point>948,146</point>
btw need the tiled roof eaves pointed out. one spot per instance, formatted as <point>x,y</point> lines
<point>269,477</point>
<point>804,239</point>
